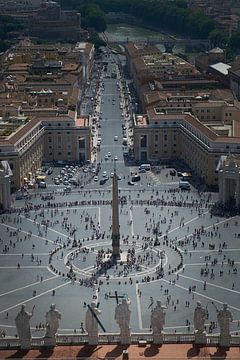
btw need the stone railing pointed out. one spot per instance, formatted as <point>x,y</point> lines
<point>114,338</point>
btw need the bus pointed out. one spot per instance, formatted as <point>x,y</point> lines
<point>146,167</point>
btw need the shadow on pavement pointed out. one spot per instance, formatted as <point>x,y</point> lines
<point>45,354</point>
<point>220,353</point>
<point>194,351</point>
<point>19,354</point>
<point>88,350</point>
<point>152,350</point>
<point>116,352</point>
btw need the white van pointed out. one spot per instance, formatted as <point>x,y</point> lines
<point>184,185</point>
<point>146,167</point>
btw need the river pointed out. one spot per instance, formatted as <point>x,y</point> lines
<point>124,32</point>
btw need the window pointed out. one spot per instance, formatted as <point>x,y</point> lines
<point>165,137</point>
<point>69,152</point>
<point>143,141</point>
<point>81,143</point>
<point>59,153</point>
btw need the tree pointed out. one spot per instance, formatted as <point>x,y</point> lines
<point>217,38</point>
<point>94,18</point>
<point>234,41</point>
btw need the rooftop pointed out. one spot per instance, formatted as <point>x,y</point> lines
<point>221,67</point>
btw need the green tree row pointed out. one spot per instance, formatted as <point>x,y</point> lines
<point>173,16</point>
<point>163,14</point>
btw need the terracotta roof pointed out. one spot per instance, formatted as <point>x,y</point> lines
<point>23,130</point>
<point>197,124</point>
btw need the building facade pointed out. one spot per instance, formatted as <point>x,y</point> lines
<point>160,137</point>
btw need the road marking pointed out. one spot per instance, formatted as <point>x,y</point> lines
<point>207,250</point>
<point>24,267</point>
<point>34,297</point>
<point>26,254</point>
<point>199,294</point>
<point>26,232</point>
<point>185,223</point>
<point>210,226</point>
<point>99,216</point>
<point>138,308</point>
<point>131,221</point>
<point>211,284</point>
<point>27,286</point>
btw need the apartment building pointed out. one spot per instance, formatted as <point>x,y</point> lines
<point>27,141</point>
<point>147,64</point>
<point>21,144</point>
<point>40,90</point>
<point>161,137</point>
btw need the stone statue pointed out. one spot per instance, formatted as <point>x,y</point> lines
<point>199,318</point>
<point>92,324</point>
<point>158,318</point>
<point>157,322</point>
<point>224,317</point>
<point>22,322</point>
<point>122,317</point>
<point>52,316</point>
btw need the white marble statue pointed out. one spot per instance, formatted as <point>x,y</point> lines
<point>52,316</point>
<point>122,317</point>
<point>92,324</point>
<point>224,317</point>
<point>22,322</point>
<point>199,318</point>
<point>158,318</point>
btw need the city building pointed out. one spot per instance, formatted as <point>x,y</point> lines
<point>22,5</point>
<point>229,180</point>
<point>40,90</point>
<point>235,81</point>
<point>26,142</point>
<point>51,22</point>
<point>161,137</point>
<point>146,64</point>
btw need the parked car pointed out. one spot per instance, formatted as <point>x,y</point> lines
<point>42,185</point>
<point>130,183</point>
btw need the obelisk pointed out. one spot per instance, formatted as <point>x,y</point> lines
<point>115,218</point>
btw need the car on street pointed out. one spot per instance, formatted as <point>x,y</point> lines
<point>109,154</point>
<point>106,157</point>
<point>104,174</point>
<point>95,178</point>
<point>115,138</point>
<point>115,158</point>
<point>136,178</point>
<point>102,181</point>
<point>130,183</point>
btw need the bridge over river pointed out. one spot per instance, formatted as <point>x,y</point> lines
<point>168,43</point>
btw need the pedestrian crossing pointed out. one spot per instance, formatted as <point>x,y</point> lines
<point>157,180</point>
